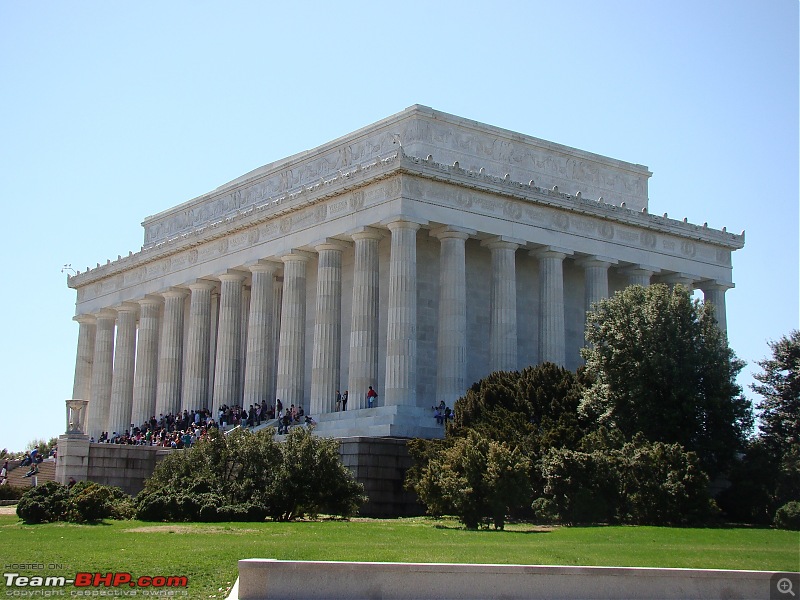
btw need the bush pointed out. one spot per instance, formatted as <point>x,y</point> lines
<point>46,503</point>
<point>248,476</point>
<point>788,516</point>
<point>11,492</point>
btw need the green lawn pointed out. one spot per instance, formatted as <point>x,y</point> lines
<point>207,553</point>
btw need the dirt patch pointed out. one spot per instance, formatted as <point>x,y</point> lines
<point>184,529</point>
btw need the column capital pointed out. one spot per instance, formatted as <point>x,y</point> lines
<point>366,233</point>
<point>502,242</point>
<point>106,313</point>
<point>295,255</point>
<point>401,222</point>
<point>127,307</point>
<point>640,270</point>
<point>201,284</point>
<point>551,252</point>
<point>714,285</point>
<point>150,300</point>
<point>232,275</point>
<point>174,292</point>
<point>85,319</point>
<point>331,244</point>
<point>684,279</point>
<point>596,261</point>
<point>452,231</point>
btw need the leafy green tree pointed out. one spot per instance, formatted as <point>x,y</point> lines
<point>661,366</point>
<point>779,386</point>
<point>476,478</point>
<point>311,479</point>
<point>247,476</point>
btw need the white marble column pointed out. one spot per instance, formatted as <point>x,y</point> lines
<point>552,334</point>
<point>595,269</point>
<point>363,370</point>
<point>292,346</point>
<point>119,418</point>
<point>170,353</point>
<point>84,359</point>
<point>401,320</point>
<point>684,279</point>
<point>326,356</point>
<point>102,372</point>
<point>229,342</point>
<point>639,275</point>
<point>196,389</point>
<point>145,380</point>
<point>714,293</point>
<point>503,305</point>
<point>260,335</point>
<point>451,343</point>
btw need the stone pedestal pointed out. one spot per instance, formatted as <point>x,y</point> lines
<point>73,457</point>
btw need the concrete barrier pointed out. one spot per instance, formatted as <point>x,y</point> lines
<point>269,579</point>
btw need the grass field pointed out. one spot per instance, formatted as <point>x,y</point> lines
<point>207,553</point>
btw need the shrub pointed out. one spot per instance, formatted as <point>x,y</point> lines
<point>11,492</point>
<point>46,503</point>
<point>788,516</point>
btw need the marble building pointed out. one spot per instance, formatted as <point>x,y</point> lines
<point>415,255</point>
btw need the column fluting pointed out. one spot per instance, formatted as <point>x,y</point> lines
<point>595,272</point>
<point>503,318</point>
<point>84,359</point>
<point>259,364</point>
<point>196,390</point>
<point>552,343</point>
<point>291,347</point>
<point>229,342</point>
<point>363,369</point>
<point>401,320</point>
<point>145,381</point>
<point>714,293</point>
<point>119,418</point>
<point>451,344</point>
<point>170,353</point>
<point>326,356</point>
<point>102,373</point>
<point>638,275</point>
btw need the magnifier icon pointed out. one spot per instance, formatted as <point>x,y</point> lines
<point>784,586</point>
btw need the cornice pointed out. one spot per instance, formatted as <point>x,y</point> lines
<point>386,166</point>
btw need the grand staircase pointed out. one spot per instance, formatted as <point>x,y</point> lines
<point>16,475</point>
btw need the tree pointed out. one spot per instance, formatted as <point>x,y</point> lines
<point>476,478</point>
<point>779,385</point>
<point>661,366</point>
<point>247,476</point>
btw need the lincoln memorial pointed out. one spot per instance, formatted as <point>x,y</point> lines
<point>415,255</point>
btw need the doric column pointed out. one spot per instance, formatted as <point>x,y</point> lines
<point>714,293</point>
<point>326,356</point>
<point>119,418</point>
<point>552,344</point>
<point>229,342</point>
<point>198,347</point>
<point>82,383</point>
<point>363,371</point>
<point>292,347</point>
<point>684,279</point>
<point>259,366</point>
<point>170,353</point>
<point>639,275</point>
<point>401,319</point>
<point>451,343</point>
<point>595,271</point>
<point>503,317</point>
<point>102,372</point>
<point>145,380</point>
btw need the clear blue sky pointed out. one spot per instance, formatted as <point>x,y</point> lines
<point>112,111</point>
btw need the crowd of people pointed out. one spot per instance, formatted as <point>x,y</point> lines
<point>184,429</point>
